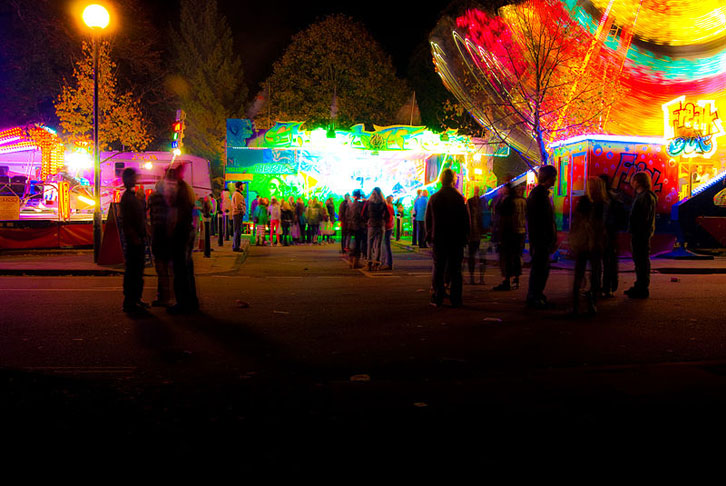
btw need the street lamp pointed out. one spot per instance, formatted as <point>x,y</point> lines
<point>96,17</point>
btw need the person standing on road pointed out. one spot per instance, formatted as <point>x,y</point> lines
<point>375,212</point>
<point>542,235</point>
<point>387,253</point>
<point>356,229</point>
<point>476,231</point>
<point>414,220</point>
<point>344,237</point>
<point>615,221</point>
<point>275,216</point>
<point>133,223</point>
<point>287,216</point>
<point>181,207</point>
<point>239,207</point>
<point>587,240</point>
<point>160,245</point>
<point>261,220</point>
<point>641,227</point>
<point>420,208</point>
<point>224,217</point>
<point>512,228</point>
<point>399,220</point>
<point>447,228</point>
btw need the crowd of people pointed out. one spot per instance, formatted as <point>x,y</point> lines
<point>598,216</point>
<point>171,207</point>
<point>445,220</point>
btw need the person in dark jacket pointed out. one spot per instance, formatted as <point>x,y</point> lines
<point>375,212</point>
<point>542,235</point>
<point>181,204</point>
<point>133,223</point>
<point>587,240</point>
<point>447,228</point>
<point>641,226</point>
<point>344,237</point>
<point>160,244</point>
<point>475,206</point>
<point>356,228</point>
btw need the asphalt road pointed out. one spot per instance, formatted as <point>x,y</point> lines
<point>356,361</point>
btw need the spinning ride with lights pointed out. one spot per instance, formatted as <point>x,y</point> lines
<point>648,68</point>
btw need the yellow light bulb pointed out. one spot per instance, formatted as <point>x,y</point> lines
<point>96,16</point>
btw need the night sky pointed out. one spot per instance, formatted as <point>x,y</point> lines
<point>263,29</point>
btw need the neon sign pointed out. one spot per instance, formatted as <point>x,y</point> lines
<point>691,129</point>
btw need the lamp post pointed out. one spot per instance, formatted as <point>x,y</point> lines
<point>96,18</point>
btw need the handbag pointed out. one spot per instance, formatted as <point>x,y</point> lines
<point>295,232</point>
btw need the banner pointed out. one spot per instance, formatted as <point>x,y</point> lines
<point>9,208</point>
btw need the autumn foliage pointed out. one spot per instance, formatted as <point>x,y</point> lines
<point>121,121</point>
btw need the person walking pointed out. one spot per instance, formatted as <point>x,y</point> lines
<point>133,223</point>
<point>160,245</point>
<point>615,221</point>
<point>474,206</point>
<point>414,221</point>
<point>641,226</point>
<point>239,207</point>
<point>375,211</point>
<point>387,253</point>
<point>420,208</point>
<point>447,228</point>
<point>542,235</point>
<point>587,241</point>
<point>344,237</point>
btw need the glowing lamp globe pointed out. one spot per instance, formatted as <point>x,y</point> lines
<point>96,16</point>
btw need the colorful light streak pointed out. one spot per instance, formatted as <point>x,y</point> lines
<point>660,50</point>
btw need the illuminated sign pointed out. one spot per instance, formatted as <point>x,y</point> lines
<point>691,129</point>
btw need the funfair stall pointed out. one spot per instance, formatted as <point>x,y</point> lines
<point>287,160</point>
<point>46,187</point>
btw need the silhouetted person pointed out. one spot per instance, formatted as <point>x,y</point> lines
<point>181,204</point>
<point>641,226</point>
<point>356,228</point>
<point>511,229</point>
<point>542,235</point>
<point>160,244</point>
<point>447,228</point>
<point>475,206</point>
<point>239,208</point>
<point>415,220</point>
<point>133,223</point>
<point>615,221</point>
<point>587,240</point>
<point>342,218</point>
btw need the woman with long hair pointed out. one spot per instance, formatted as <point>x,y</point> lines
<point>376,213</point>
<point>275,215</point>
<point>587,240</point>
